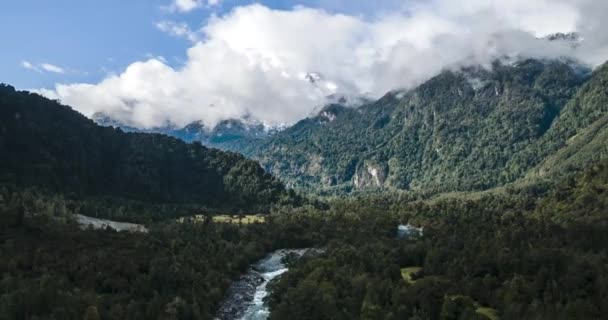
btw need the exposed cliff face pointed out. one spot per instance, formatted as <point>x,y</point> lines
<point>370,175</point>
<point>466,130</point>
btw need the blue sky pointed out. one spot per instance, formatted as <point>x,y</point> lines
<point>90,39</point>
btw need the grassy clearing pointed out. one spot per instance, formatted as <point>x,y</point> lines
<point>488,312</point>
<point>491,313</point>
<point>196,219</point>
<point>247,219</point>
<point>408,272</point>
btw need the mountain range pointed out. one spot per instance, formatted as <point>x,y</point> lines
<point>470,129</point>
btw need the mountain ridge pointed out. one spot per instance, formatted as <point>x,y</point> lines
<point>51,147</point>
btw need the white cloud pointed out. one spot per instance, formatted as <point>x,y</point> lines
<point>186,5</point>
<point>28,65</point>
<point>189,5</point>
<point>42,67</point>
<point>253,61</point>
<point>51,68</point>
<point>178,29</point>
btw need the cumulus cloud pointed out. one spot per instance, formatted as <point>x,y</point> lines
<point>256,62</point>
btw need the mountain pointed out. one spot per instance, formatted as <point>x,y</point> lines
<point>228,135</point>
<point>571,39</point>
<point>50,147</point>
<point>471,129</point>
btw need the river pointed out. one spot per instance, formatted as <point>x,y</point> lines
<point>245,299</point>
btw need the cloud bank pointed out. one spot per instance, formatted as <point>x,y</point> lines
<point>253,62</point>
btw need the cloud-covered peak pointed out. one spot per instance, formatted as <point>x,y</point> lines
<point>258,62</point>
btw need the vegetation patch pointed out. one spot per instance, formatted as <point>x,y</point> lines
<point>462,306</point>
<point>247,219</point>
<point>230,219</point>
<point>408,273</point>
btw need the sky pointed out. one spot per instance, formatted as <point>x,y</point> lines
<point>150,63</point>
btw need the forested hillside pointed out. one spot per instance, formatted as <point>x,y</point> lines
<point>51,148</point>
<point>471,129</point>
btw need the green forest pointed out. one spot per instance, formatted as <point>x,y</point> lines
<point>53,149</point>
<point>521,254</point>
<point>509,253</point>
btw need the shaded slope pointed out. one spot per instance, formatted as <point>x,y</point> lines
<point>51,147</point>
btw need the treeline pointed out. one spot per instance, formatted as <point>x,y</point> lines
<point>50,147</point>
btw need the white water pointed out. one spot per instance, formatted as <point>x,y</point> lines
<point>245,299</point>
<point>407,230</point>
<point>258,310</point>
<point>270,268</point>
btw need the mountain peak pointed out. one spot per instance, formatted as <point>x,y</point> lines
<point>313,77</point>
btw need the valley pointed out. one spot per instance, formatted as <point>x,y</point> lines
<point>466,130</point>
<point>456,200</point>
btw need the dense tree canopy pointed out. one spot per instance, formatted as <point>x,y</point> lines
<point>505,255</point>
